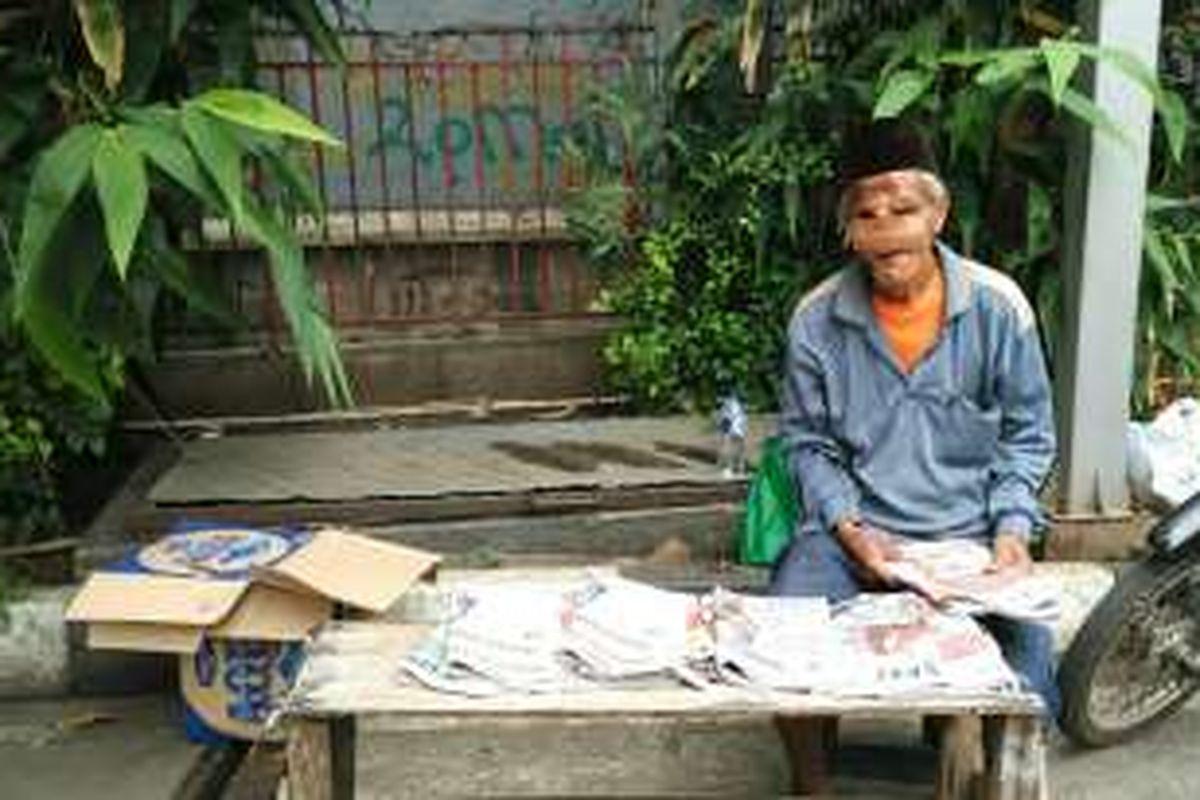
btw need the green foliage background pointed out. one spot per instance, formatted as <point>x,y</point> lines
<point>122,123</point>
<point>735,218</point>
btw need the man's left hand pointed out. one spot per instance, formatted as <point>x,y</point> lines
<point>1010,552</point>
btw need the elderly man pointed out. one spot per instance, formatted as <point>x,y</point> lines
<point>915,400</point>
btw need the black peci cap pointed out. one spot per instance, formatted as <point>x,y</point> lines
<point>885,146</point>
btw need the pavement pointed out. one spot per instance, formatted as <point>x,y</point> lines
<point>124,748</point>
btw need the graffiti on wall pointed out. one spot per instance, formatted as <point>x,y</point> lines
<point>421,15</point>
<point>458,120</point>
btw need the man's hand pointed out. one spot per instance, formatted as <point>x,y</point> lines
<point>1010,552</point>
<point>869,548</point>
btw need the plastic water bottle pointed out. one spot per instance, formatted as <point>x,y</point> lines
<point>732,424</point>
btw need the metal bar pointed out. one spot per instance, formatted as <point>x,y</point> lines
<point>319,156</point>
<point>413,159</point>
<point>479,144</point>
<point>564,79</point>
<point>351,159</point>
<point>539,155</point>
<point>513,285</point>
<point>384,179</point>
<point>448,174</point>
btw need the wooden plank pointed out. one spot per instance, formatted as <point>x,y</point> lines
<point>960,757</point>
<point>807,742</point>
<point>150,519</point>
<point>342,743</point>
<point>1016,768</point>
<point>352,670</point>
<point>310,760</point>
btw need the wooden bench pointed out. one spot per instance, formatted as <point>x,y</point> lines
<point>992,745</point>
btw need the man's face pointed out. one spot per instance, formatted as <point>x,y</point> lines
<point>893,221</point>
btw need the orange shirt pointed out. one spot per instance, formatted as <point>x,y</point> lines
<point>911,326</point>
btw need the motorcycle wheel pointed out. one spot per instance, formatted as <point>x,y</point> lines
<point>1134,661</point>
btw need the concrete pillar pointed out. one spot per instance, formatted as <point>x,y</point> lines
<point>1104,213</point>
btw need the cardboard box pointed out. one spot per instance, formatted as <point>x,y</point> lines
<point>236,603</point>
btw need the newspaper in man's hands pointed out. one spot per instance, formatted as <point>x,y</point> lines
<point>956,575</point>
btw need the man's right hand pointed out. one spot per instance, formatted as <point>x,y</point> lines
<point>870,548</point>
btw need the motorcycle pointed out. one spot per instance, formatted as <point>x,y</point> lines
<point>1136,659</point>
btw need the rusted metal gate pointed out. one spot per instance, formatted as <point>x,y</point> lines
<point>447,202</point>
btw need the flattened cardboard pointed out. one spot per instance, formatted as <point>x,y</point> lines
<point>156,599</point>
<point>144,637</point>
<point>267,613</point>
<point>356,570</point>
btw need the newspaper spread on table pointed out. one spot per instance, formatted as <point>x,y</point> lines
<point>609,631</point>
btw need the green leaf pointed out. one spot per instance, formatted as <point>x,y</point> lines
<point>1171,108</point>
<point>316,342</point>
<point>200,295</point>
<point>55,338</point>
<point>1062,59</point>
<point>1181,347</point>
<point>966,58</point>
<point>1174,114</point>
<point>1160,260</point>
<point>1006,64</point>
<point>262,112</point>
<point>754,30</point>
<point>120,177</point>
<point>51,297</point>
<point>971,126</point>
<point>104,34</point>
<point>1123,60</point>
<point>1085,109</point>
<point>1183,256</point>
<point>902,89</point>
<point>294,180</point>
<point>798,29</point>
<point>220,154</point>
<point>179,13</point>
<point>166,148</point>
<point>312,23</point>
<point>60,173</point>
<point>1156,203</point>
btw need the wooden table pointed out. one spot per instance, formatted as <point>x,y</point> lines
<point>992,745</point>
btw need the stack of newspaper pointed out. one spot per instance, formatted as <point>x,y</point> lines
<point>956,575</point>
<point>619,628</point>
<point>501,638</point>
<point>899,642</point>
<point>776,642</point>
<point>497,638</point>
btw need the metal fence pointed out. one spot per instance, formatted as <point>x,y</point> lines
<point>447,201</point>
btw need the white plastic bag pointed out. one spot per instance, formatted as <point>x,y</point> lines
<point>1164,455</point>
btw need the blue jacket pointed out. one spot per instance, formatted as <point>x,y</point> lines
<point>958,447</point>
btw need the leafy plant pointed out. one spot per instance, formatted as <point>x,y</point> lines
<point>777,85</point>
<point>42,422</point>
<point>123,125</point>
<point>99,97</point>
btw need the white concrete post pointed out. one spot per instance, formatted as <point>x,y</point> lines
<point>1105,206</point>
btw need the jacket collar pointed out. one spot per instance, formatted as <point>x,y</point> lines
<point>853,303</point>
